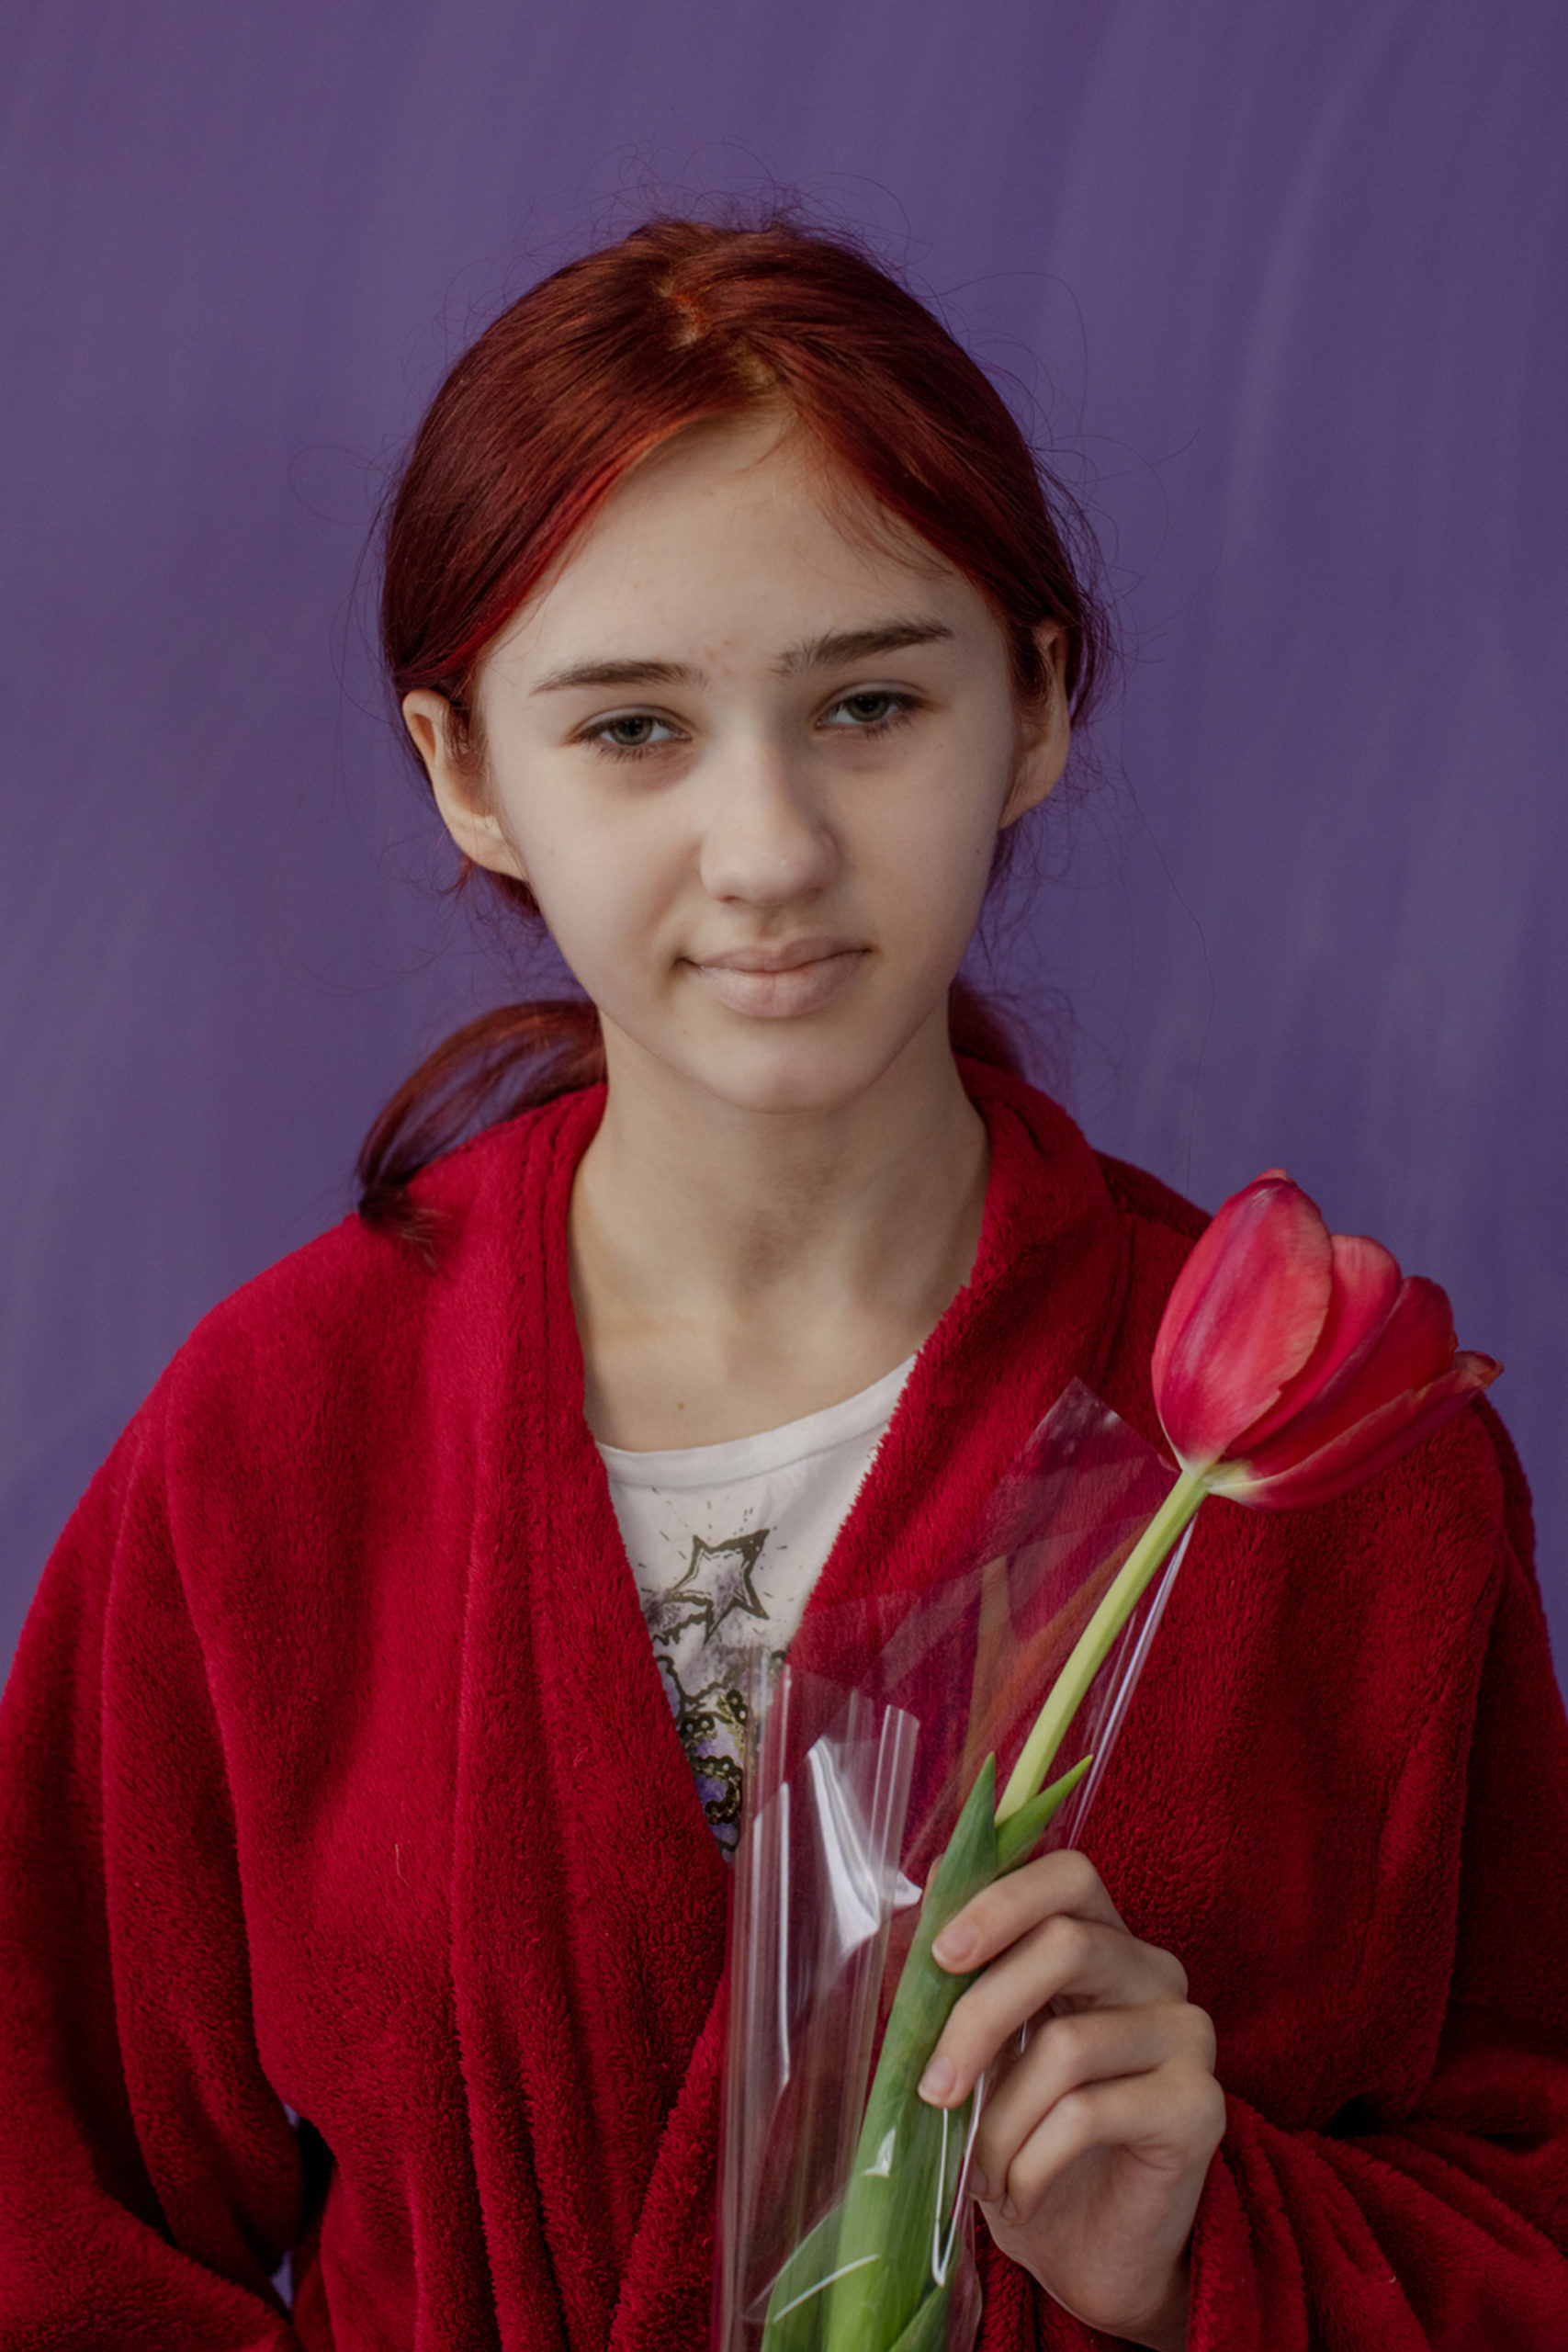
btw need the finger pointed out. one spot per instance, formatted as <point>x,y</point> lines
<point>1063,1958</point>
<point>1173,2118</point>
<point>1003,1911</point>
<point>1069,2052</point>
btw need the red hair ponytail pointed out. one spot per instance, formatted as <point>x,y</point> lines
<point>506,1062</point>
<point>682,321</point>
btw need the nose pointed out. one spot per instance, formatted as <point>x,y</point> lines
<point>767,840</point>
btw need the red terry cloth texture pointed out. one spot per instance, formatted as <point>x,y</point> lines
<point>337,1770</point>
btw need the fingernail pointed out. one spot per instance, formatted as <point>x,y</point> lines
<point>954,1946</point>
<point>937,2081</point>
<point>1010,2211</point>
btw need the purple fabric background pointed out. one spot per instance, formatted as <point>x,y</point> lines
<point>1285,283</point>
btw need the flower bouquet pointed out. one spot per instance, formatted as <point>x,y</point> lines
<point>1290,1365</point>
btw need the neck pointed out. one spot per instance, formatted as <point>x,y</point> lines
<point>777,1259</point>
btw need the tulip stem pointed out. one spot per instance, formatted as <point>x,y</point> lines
<point>1068,1692</point>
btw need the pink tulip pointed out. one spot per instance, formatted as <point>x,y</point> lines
<point>1291,1362</point>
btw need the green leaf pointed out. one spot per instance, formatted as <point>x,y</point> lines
<point>795,2307</point>
<point>1019,1834</point>
<point>898,2210</point>
<point>927,2332</point>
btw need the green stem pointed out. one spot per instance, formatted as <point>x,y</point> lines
<point>1068,1692</point>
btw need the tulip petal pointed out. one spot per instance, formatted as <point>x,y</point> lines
<point>1359,1451</point>
<point>1364,1285</point>
<point>1412,1347</point>
<point>1243,1318</point>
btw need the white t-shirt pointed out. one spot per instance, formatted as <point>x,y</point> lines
<point>726,1542</point>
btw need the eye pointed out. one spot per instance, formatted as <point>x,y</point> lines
<point>631,732</point>
<point>870,711</point>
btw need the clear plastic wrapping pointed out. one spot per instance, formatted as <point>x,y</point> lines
<point>890,1730</point>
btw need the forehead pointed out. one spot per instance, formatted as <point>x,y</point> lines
<point>734,531</point>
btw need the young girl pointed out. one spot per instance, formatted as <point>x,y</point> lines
<point>370,1757</point>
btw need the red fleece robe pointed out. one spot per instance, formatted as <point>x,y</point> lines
<point>337,1770</point>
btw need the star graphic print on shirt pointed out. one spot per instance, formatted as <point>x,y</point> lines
<point>709,1603</point>
<point>726,1542</point>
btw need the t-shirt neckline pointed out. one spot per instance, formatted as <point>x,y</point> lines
<point>774,1449</point>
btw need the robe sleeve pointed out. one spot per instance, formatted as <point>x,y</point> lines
<point>150,2177</point>
<point>1442,2229</point>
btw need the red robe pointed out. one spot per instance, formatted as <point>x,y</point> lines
<point>337,1770</point>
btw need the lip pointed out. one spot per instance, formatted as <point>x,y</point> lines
<point>787,957</point>
<point>780,983</point>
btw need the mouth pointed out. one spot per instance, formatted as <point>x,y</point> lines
<point>788,955</point>
<point>782,982</point>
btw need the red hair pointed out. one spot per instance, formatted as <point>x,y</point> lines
<point>681,323</point>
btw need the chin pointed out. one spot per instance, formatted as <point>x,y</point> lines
<point>805,1076</point>
<point>815,1068</point>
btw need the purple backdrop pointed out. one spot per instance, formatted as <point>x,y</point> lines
<point>1287,284</point>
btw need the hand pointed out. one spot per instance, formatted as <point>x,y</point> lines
<point>1096,2137</point>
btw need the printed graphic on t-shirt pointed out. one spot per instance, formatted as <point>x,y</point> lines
<point>705,1629</point>
<point>726,1542</point>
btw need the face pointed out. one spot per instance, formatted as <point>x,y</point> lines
<point>753,761</point>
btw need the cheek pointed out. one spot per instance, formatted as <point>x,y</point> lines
<point>601,891</point>
<point>936,851</point>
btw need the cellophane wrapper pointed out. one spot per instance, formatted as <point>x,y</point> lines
<point>870,1740</point>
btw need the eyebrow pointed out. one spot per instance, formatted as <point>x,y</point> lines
<point>831,651</point>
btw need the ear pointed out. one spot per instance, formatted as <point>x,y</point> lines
<point>458,782</point>
<point>1044,735</point>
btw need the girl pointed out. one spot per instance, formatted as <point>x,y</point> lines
<point>370,1754</point>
